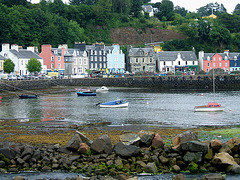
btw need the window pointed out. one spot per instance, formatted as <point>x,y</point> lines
<point>143,60</point>
<point>193,62</point>
<point>91,65</point>
<point>235,64</point>
<point>52,58</point>
<point>179,63</point>
<point>95,52</point>
<point>150,60</point>
<point>59,66</point>
<point>100,65</point>
<point>80,70</point>
<point>220,64</point>
<point>226,64</point>
<point>219,58</point>
<point>59,58</point>
<point>164,63</point>
<point>100,52</point>
<point>213,64</point>
<point>80,61</point>
<point>115,59</point>
<point>136,60</point>
<point>104,65</point>
<point>208,64</point>
<point>21,62</point>
<point>208,58</point>
<point>214,59</point>
<point>52,66</point>
<point>186,62</point>
<point>100,58</point>
<point>84,61</point>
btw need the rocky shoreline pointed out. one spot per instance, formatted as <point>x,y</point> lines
<point>143,152</point>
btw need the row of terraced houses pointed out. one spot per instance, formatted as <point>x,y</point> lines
<point>111,59</point>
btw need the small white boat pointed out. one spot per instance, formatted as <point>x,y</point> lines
<point>210,107</point>
<point>114,104</point>
<point>102,89</point>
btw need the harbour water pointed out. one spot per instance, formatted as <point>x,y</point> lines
<point>147,107</point>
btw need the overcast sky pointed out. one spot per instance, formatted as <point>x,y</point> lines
<point>192,5</point>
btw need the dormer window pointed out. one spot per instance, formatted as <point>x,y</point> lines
<point>55,51</point>
<point>225,58</point>
<point>208,58</point>
<point>235,58</point>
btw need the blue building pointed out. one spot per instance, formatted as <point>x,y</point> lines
<point>116,61</point>
<point>234,61</point>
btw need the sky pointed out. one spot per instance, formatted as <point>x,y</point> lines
<point>193,5</point>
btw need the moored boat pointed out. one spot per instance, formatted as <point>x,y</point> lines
<point>26,96</point>
<point>82,89</point>
<point>86,93</point>
<point>210,107</point>
<point>114,104</point>
<point>102,89</point>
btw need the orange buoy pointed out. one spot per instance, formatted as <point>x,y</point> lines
<point>201,94</point>
<point>230,110</point>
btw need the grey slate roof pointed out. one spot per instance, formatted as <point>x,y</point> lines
<point>234,54</point>
<point>59,51</point>
<point>147,8</point>
<point>173,55</point>
<point>2,58</point>
<point>23,53</point>
<point>29,54</point>
<point>145,50</point>
<point>212,54</point>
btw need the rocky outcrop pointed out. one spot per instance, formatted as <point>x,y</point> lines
<point>150,154</point>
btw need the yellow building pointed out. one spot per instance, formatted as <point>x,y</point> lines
<point>1,63</point>
<point>213,16</point>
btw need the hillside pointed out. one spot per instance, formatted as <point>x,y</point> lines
<point>131,36</point>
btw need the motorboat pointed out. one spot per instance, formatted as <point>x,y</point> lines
<point>210,107</point>
<point>102,89</point>
<point>82,89</point>
<point>114,104</point>
<point>26,96</point>
<point>86,93</point>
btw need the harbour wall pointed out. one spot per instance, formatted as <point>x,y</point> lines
<point>161,83</point>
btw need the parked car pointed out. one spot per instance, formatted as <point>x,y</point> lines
<point>19,77</point>
<point>12,77</point>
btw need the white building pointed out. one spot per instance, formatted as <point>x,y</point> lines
<point>20,57</point>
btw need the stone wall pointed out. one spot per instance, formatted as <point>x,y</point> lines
<point>163,83</point>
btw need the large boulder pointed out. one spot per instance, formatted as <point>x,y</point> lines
<point>102,144</point>
<point>84,138</point>
<point>74,143</point>
<point>216,144</point>
<point>234,144</point>
<point>84,148</point>
<point>193,157</point>
<point>157,141</point>
<point>151,168</point>
<point>126,150</point>
<point>129,139</point>
<point>184,137</point>
<point>194,146</point>
<point>224,158</point>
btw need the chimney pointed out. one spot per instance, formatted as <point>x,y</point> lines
<point>14,46</point>
<point>226,52</point>
<point>30,49</point>
<point>5,47</point>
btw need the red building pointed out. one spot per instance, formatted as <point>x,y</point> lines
<point>209,61</point>
<point>53,58</point>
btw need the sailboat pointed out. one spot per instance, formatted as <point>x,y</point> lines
<point>211,106</point>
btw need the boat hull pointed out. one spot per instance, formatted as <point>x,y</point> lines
<point>27,96</point>
<point>123,105</point>
<point>208,109</point>
<point>86,93</point>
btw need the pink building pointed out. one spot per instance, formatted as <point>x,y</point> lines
<point>208,61</point>
<point>53,58</point>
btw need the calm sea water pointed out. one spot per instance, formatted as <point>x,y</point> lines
<point>146,107</point>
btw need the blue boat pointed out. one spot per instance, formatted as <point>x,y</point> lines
<point>114,104</point>
<point>86,93</point>
<point>25,96</point>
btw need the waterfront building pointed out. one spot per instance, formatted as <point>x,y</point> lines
<point>173,61</point>
<point>115,61</point>
<point>20,57</point>
<point>53,58</point>
<point>208,61</point>
<point>234,61</point>
<point>1,63</point>
<point>141,60</point>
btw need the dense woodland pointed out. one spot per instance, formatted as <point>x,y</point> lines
<point>57,23</point>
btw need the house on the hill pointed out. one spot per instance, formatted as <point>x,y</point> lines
<point>208,61</point>
<point>149,9</point>
<point>141,60</point>
<point>173,61</point>
<point>20,57</point>
<point>1,63</point>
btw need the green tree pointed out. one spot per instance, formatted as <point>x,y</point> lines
<point>8,66</point>
<point>75,33</point>
<point>79,2</point>
<point>34,65</point>
<point>136,8</point>
<point>220,35</point>
<point>204,28</point>
<point>166,9</point>
<point>180,10</point>
<point>190,30</point>
<point>121,6</point>
<point>10,3</point>
<point>102,10</point>
<point>237,10</point>
<point>231,22</point>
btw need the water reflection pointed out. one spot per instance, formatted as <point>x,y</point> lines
<point>146,107</point>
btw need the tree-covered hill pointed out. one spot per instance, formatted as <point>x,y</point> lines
<point>118,21</point>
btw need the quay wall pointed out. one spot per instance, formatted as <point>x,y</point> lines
<point>162,83</point>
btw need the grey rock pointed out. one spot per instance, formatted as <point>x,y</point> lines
<point>129,139</point>
<point>213,176</point>
<point>146,139</point>
<point>235,169</point>
<point>74,143</point>
<point>191,156</point>
<point>151,168</point>
<point>194,146</point>
<point>126,150</point>
<point>102,144</point>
